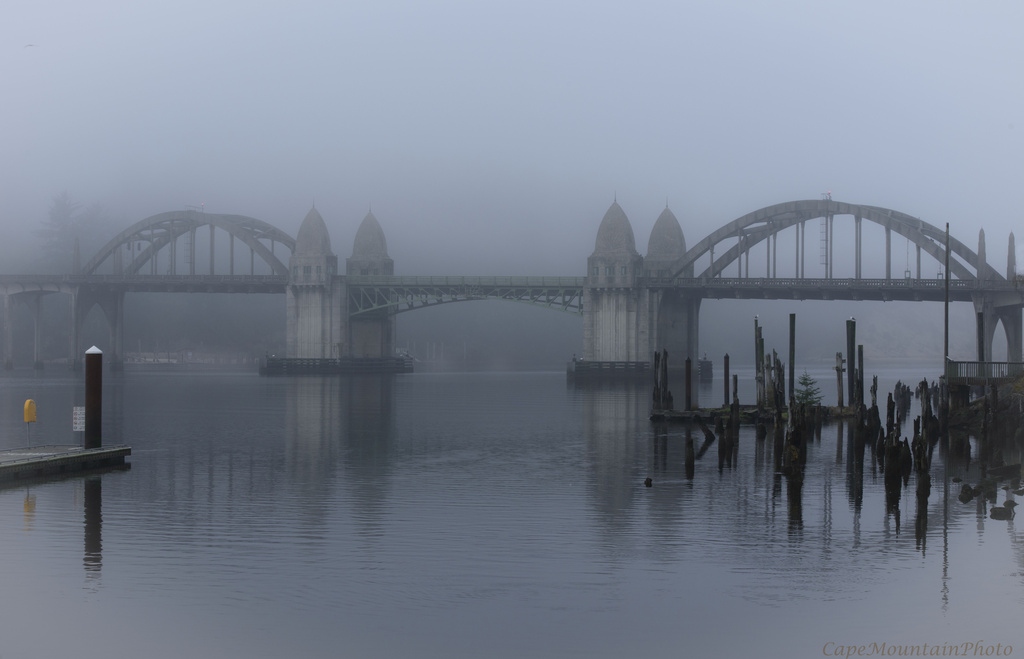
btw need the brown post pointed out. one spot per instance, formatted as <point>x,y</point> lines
<point>792,355</point>
<point>93,397</point>
<point>860,376</point>
<point>689,373</point>
<point>851,359</point>
<point>726,360</point>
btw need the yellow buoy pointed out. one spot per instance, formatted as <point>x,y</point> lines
<point>30,411</point>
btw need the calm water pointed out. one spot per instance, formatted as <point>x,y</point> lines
<point>468,515</point>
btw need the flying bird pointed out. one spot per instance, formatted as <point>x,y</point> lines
<point>31,45</point>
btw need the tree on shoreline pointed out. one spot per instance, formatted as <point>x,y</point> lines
<point>808,392</point>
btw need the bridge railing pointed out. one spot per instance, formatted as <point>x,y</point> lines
<point>981,372</point>
<point>116,279</point>
<point>727,282</point>
<point>524,282</point>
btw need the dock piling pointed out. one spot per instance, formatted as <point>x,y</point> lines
<point>792,356</point>
<point>726,380</point>
<point>93,398</point>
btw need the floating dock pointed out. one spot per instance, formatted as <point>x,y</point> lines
<point>582,369</point>
<point>41,461</point>
<point>302,366</point>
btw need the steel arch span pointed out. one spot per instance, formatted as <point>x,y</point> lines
<point>760,225</point>
<point>369,294</point>
<point>163,231</point>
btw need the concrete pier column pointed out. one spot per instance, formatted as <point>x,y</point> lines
<point>985,327</point>
<point>211,250</point>
<point>73,348</point>
<point>115,318</point>
<point>78,311</point>
<point>8,333</point>
<point>35,307</point>
<point>1013,326</point>
<point>979,318</point>
<point>677,324</point>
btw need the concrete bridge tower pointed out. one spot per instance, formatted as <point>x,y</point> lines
<point>316,296</point>
<point>614,313</point>
<point>673,315</point>
<point>371,334</point>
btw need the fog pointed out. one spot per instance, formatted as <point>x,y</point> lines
<point>490,138</point>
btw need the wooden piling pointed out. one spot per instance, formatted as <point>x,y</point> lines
<point>689,374</point>
<point>839,377</point>
<point>860,377</point>
<point>851,343</point>
<point>792,356</point>
<point>93,398</point>
<point>726,380</point>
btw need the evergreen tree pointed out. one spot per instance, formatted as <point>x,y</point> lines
<point>808,392</point>
<point>66,222</point>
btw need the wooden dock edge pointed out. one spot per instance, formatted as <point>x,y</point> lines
<point>57,461</point>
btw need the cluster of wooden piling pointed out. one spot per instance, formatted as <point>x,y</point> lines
<point>662,394</point>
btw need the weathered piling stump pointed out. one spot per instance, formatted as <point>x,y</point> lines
<point>725,369</point>
<point>690,457</point>
<point>689,376</point>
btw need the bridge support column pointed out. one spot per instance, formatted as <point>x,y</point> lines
<point>76,327</point>
<point>985,327</point>
<point>112,305</point>
<point>676,326</point>
<point>8,333</point>
<point>115,318</point>
<point>616,325</point>
<point>1013,327</point>
<point>34,303</point>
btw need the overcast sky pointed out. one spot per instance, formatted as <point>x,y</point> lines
<point>491,137</point>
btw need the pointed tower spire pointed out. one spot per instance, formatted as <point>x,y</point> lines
<point>1011,261</point>
<point>982,260</point>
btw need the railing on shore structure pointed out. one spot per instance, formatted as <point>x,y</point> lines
<point>979,373</point>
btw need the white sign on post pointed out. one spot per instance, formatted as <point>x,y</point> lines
<point>78,419</point>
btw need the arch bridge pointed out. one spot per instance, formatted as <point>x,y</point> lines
<point>627,315</point>
<point>660,296</point>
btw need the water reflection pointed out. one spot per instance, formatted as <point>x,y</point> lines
<point>337,423</point>
<point>611,413</point>
<point>434,505</point>
<point>93,526</point>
